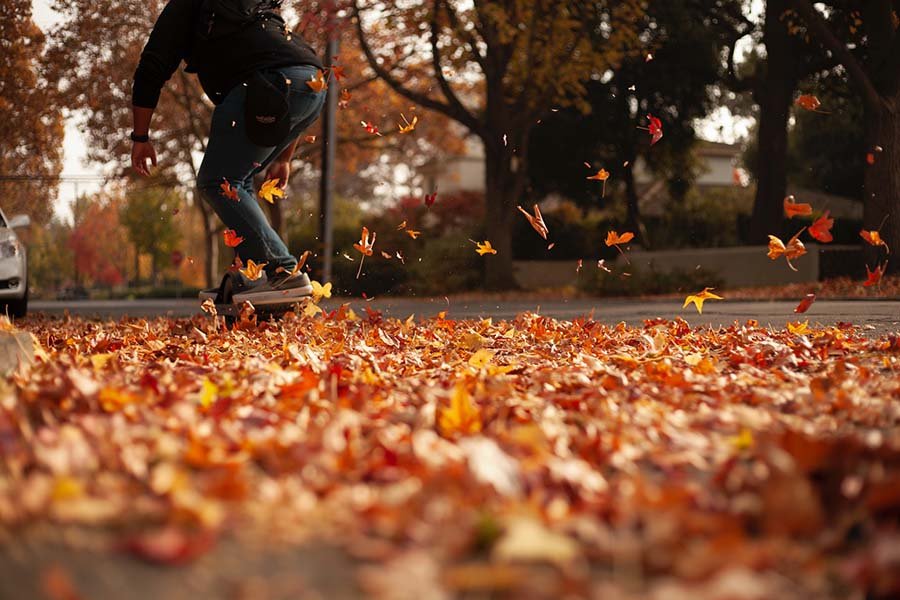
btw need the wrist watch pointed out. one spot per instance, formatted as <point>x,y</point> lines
<point>139,138</point>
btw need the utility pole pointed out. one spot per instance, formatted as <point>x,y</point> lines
<point>329,143</point>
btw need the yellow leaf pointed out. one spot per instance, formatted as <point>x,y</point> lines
<point>408,127</point>
<point>698,299</point>
<point>484,248</point>
<point>462,416</point>
<point>270,190</point>
<point>311,309</point>
<point>100,360</point>
<point>65,488</point>
<point>481,358</point>
<point>253,271</point>
<point>799,328</point>
<point>744,440</point>
<point>320,291</point>
<point>208,393</point>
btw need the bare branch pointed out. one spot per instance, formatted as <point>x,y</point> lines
<point>418,97</point>
<point>436,61</point>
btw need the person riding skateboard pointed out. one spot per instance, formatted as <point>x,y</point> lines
<point>255,71</point>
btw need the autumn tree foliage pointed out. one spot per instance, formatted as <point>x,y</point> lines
<point>31,130</point>
<point>864,38</point>
<point>149,216</point>
<point>496,67</point>
<point>97,241</point>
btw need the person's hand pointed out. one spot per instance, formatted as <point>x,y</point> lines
<point>280,170</point>
<point>141,152</point>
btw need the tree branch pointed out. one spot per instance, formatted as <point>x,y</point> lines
<point>466,35</point>
<point>436,61</point>
<point>420,98</point>
<point>816,23</point>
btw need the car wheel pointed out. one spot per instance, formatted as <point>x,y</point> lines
<point>19,308</point>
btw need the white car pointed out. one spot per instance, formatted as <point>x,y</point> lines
<point>13,267</point>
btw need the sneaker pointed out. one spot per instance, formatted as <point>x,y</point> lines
<point>280,289</point>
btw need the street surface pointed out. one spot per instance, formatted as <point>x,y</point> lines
<point>882,316</point>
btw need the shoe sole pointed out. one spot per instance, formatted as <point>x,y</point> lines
<point>274,297</point>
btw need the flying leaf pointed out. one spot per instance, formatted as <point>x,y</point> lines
<point>253,271</point>
<point>601,175</point>
<point>793,249</point>
<point>270,190</point>
<point>232,239</point>
<point>874,238</point>
<point>229,191</point>
<point>338,72</point>
<point>536,221</point>
<point>371,128</point>
<point>317,83</point>
<point>874,277</point>
<point>810,103</point>
<point>344,100</point>
<point>413,233</point>
<point>821,229</point>
<point>805,303</point>
<point>430,199</point>
<point>655,128</point>
<point>614,239</point>
<point>310,139</point>
<point>320,291</point>
<point>698,299</point>
<point>484,247</point>
<point>793,209</point>
<point>365,243</point>
<point>408,127</point>
<point>461,416</point>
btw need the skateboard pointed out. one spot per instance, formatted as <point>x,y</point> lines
<point>225,305</point>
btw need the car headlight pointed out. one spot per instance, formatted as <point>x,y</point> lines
<point>9,249</point>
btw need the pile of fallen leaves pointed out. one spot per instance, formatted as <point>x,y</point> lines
<point>525,458</point>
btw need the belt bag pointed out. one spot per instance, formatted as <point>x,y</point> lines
<point>267,109</point>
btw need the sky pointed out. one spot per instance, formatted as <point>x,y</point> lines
<point>720,126</point>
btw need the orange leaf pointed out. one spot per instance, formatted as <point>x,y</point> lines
<point>821,229</point>
<point>614,239</point>
<point>232,239</point>
<point>365,244</point>
<point>874,238</point>
<point>698,299</point>
<point>253,271</point>
<point>229,191</point>
<point>408,127</point>
<point>413,233</point>
<point>809,102</point>
<point>317,83</point>
<point>536,221</point>
<point>793,209</point>
<point>793,249</point>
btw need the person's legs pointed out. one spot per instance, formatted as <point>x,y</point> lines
<point>232,157</point>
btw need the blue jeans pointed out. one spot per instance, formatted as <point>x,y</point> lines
<point>232,157</point>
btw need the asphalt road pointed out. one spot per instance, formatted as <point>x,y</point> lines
<point>882,316</point>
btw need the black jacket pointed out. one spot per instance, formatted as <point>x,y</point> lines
<point>220,63</point>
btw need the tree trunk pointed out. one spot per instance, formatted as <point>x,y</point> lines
<point>774,95</point>
<point>882,181</point>
<point>210,241</point>
<point>504,182</point>
<point>137,267</point>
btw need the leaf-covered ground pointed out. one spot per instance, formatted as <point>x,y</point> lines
<point>522,459</point>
